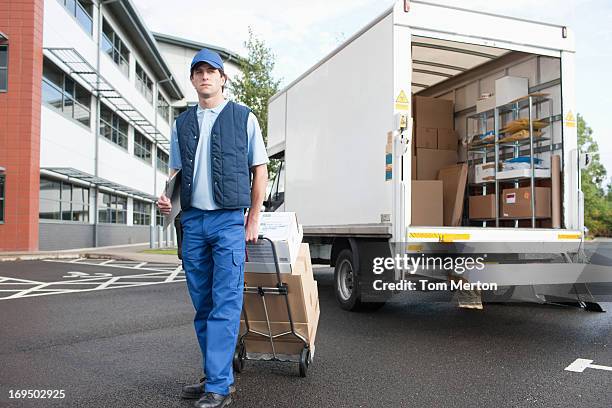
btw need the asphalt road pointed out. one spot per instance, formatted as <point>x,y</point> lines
<point>134,346</point>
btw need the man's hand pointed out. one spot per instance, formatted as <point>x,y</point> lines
<point>252,228</point>
<point>258,190</point>
<point>164,204</point>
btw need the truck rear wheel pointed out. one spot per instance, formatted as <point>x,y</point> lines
<point>347,285</point>
<point>346,282</point>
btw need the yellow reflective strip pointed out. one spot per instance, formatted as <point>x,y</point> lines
<point>455,237</point>
<point>569,236</point>
<point>425,235</point>
<point>439,236</point>
<point>415,247</point>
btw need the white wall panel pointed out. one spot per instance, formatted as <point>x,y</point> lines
<point>338,117</point>
<point>61,30</point>
<point>118,166</point>
<point>276,120</point>
<point>64,142</point>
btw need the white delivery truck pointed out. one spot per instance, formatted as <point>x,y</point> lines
<point>344,130</point>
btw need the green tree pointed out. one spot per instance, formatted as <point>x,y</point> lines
<point>256,85</point>
<point>597,203</point>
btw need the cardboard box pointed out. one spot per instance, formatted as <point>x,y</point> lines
<point>433,112</point>
<point>516,202</point>
<point>426,137</point>
<point>447,139</point>
<point>302,290</point>
<point>509,88</point>
<point>454,178</point>
<point>511,174</point>
<point>482,206</point>
<point>427,203</point>
<point>484,172</point>
<point>284,230</point>
<point>430,161</point>
<point>289,344</point>
<point>413,174</point>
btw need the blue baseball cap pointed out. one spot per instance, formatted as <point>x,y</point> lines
<point>210,57</point>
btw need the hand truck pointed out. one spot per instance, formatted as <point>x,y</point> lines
<point>241,354</point>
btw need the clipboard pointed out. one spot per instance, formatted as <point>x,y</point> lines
<point>173,192</point>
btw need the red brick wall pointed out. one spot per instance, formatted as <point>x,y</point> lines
<point>22,22</point>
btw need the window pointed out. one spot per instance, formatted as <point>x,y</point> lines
<point>60,200</point>
<point>142,147</point>
<point>162,161</point>
<point>115,48</point>
<point>3,68</point>
<point>112,209</point>
<point>159,217</point>
<point>163,108</point>
<point>82,10</point>
<point>144,83</point>
<point>64,94</point>
<point>2,178</point>
<point>113,127</point>
<point>142,213</point>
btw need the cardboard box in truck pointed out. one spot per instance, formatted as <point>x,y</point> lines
<point>427,203</point>
<point>482,206</point>
<point>516,202</point>
<point>509,88</point>
<point>433,113</point>
<point>447,139</point>
<point>430,161</point>
<point>426,137</point>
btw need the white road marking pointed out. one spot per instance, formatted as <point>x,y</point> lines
<point>26,291</point>
<point>173,274</point>
<point>19,280</point>
<point>108,282</point>
<point>109,264</point>
<point>91,281</point>
<point>582,364</point>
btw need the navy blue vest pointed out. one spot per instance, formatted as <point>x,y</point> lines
<point>229,163</point>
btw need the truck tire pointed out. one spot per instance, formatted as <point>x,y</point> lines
<point>347,285</point>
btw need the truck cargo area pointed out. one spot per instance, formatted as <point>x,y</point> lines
<point>472,105</point>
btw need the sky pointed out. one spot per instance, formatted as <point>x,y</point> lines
<point>300,33</point>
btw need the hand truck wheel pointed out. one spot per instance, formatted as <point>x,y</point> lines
<point>304,361</point>
<point>239,358</point>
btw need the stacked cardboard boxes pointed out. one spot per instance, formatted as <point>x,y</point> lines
<point>435,147</point>
<point>303,299</point>
<point>435,140</point>
<point>302,289</point>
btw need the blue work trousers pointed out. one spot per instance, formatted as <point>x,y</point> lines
<point>213,259</point>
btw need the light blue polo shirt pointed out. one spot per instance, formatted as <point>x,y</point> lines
<point>202,196</point>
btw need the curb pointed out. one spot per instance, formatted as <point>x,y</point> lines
<point>39,257</point>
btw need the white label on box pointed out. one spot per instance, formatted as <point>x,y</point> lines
<point>510,198</point>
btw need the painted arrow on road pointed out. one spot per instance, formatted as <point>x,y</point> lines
<point>582,364</point>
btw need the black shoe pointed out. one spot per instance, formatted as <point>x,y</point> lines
<point>196,391</point>
<point>212,400</point>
